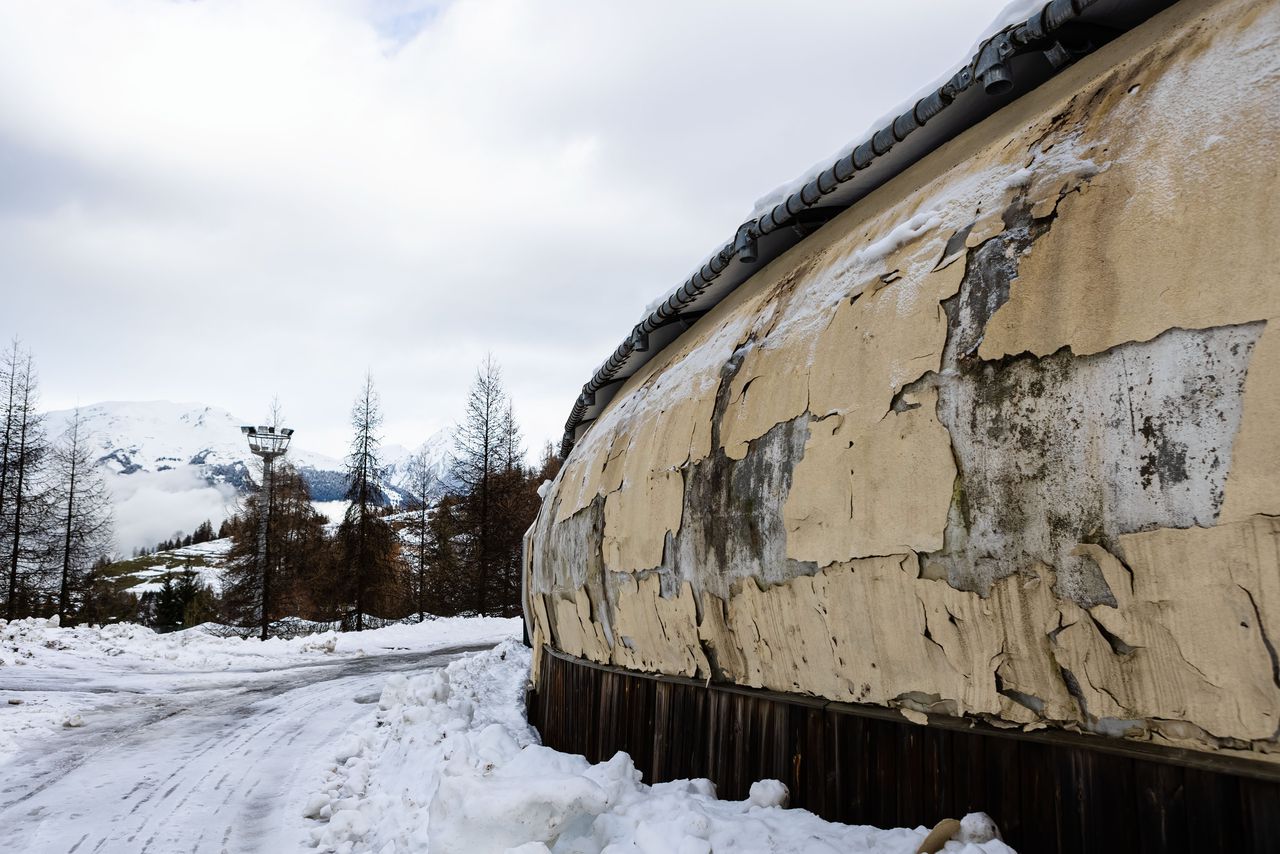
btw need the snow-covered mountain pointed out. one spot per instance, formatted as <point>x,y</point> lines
<point>396,459</point>
<point>170,466</point>
<point>158,436</point>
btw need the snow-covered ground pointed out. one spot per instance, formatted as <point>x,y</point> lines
<point>117,739</point>
<point>403,739</point>
<point>450,764</point>
<point>49,674</point>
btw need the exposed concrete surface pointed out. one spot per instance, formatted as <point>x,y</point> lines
<point>1151,423</point>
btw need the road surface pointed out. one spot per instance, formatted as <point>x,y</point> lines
<point>220,765</point>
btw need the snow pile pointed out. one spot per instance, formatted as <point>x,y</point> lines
<point>41,643</point>
<point>900,235</point>
<point>449,763</point>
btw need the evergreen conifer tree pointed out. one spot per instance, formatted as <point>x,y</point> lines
<point>369,545</point>
<point>168,605</point>
<point>298,552</point>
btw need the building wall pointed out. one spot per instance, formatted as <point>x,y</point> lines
<point>999,441</point>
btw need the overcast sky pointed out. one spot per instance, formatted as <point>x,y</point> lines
<point>219,201</point>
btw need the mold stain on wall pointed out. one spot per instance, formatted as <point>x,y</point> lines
<point>1060,450</point>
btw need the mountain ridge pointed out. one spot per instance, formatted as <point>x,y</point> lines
<point>170,465</point>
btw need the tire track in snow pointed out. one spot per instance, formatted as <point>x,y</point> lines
<point>205,770</point>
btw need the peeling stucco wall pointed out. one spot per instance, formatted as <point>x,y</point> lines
<point>999,441</point>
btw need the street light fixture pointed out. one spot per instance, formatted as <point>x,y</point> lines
<point>267,443</point>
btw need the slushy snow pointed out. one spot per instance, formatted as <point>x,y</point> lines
<point>449,763</point>
<point>89,667</point>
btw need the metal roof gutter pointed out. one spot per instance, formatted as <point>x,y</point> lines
<point>1007,65</point>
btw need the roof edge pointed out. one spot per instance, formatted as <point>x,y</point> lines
<point>1057,36</point>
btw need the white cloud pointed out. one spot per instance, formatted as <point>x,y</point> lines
<point>402,185</point>
<point>149,507</point>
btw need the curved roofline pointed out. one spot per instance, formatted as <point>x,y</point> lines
<point>1008,64</point>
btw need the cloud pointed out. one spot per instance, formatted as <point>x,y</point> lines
<point>152,506</point>
<point>226,200</point>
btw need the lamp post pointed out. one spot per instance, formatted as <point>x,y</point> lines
<point>267,443</point>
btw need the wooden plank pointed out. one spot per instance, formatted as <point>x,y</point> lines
<point>1161,808</point>
<point>742,747</point>
<point>1047,795</point>
<point>1216,824</point>
<point>1108,801</point>
<point>1069,800</point>
<point>863,755</point>
<point>663,727</point>
<point>969,779</point>
<point>910,766</point>
<point>637,708</point>
<point>883,746</point>
<point>811,777</point>
<point>852,768</point>
<point>836,781</point>
<point>1003,785</point>
<point>1260,802</point>
<point>696,760</point>
<point>1038,797</point>
<point>938,792</point>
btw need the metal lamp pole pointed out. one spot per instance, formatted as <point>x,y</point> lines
<point>267,443</point>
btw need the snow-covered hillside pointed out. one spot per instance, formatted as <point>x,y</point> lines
<point>146,574</point>
<point>170,466</point>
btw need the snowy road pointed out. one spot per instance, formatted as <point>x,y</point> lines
<point>201,763</point>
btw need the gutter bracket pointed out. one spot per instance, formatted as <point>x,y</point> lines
<point>745,244</point>
<point>990,68</point>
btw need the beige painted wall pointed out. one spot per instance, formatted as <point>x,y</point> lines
<point>999,441</point>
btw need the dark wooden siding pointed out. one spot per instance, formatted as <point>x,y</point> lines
<point>1048,791</point>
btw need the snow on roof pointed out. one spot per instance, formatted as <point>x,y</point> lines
<point>1014,13</point>
<point>1021,48</point>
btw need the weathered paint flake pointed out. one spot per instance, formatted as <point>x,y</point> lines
<point>1191,634</point>
<point>871,489</point>
<point>657,632</point>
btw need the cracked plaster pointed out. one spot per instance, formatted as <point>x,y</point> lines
<point>999,441</point>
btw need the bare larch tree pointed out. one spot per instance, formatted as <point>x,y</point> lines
<point>81,500</point>
<point>477,455</point>
<point>26,449</point>
<point>422,486</point>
